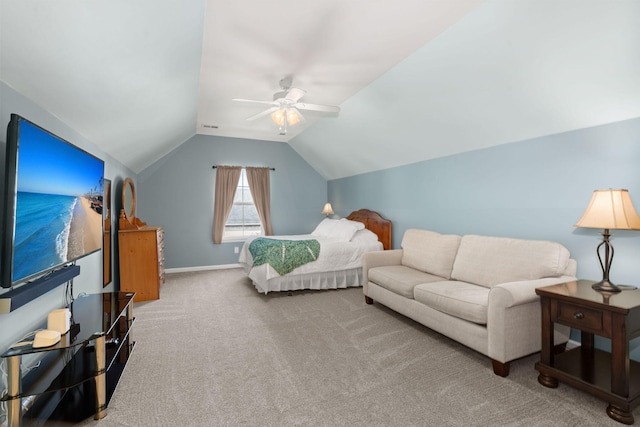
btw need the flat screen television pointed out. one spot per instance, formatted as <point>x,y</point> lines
<point>53,203</point>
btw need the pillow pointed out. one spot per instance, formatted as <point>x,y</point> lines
<point>345,229</point>
<point>364,236</point>
<point>357,224</point>
<point>324,228</point>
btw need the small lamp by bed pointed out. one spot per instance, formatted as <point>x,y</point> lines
<point>327,210</point>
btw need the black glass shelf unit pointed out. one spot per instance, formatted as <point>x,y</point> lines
<point>77,376</point>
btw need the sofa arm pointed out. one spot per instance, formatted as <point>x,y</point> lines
<point>516,293</point>
<point>514,319</point>
<point>379,259</point>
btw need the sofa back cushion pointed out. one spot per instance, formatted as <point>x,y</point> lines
<point>429,251</point>
<point>490,261</point>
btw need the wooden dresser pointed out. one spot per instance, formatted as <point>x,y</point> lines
<point>142,261</point>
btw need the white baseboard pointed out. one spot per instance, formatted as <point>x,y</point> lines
<point>201,268</point>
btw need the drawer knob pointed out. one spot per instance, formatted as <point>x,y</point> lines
<point>578,315</point>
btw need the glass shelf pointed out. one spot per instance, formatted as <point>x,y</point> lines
<point>100,336</point>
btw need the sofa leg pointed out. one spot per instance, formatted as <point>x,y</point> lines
<point>368,300</point>
<point>499,368</point>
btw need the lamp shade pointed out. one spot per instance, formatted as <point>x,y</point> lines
<point>278,117</point>
<point>292,117</point>
<point>610,209</point>
<point>288,115</point>
<point>327,210</point>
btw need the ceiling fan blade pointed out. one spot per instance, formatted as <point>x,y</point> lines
<point>294,94</point>
<point>316,107</point>
<point>255,101</point>
<point>263,113</point>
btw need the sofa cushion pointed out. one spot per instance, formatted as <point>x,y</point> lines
<point>400,279</point>
<point>429,251</point>
<point>460,299</point>
<point>489,261</point>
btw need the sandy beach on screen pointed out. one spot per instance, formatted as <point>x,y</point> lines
<point>85,234</point>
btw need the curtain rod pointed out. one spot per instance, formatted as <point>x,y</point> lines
<point>215,166</point>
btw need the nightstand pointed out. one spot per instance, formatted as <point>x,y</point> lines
<point>610,376</point>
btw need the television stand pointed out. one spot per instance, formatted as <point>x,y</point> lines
<point>77,376</point>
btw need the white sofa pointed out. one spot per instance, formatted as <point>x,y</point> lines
<point>477,290</point>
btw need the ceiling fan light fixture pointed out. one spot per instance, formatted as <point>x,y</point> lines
<point>286,107</point>
<point>292,117</point>
<point>284,117</point>
<point>278,117</point>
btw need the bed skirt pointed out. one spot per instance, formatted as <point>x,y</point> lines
<point>318,281</point>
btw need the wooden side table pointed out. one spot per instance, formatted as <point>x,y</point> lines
<point>612,376</point>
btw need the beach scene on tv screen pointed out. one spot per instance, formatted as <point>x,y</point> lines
<point>58,205</point>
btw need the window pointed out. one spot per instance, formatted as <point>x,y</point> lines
<point>243,221</point>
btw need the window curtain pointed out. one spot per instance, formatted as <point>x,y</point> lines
<point>259,185</point>
<point>226,184</point>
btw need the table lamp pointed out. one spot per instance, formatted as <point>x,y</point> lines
<point>327,210</point>
<point>609,209</point>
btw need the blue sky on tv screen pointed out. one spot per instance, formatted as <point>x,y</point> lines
<point>49,165</point>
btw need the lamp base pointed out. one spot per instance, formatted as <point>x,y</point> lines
<point>607,286</point>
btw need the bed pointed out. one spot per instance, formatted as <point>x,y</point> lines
<point>328,258</point>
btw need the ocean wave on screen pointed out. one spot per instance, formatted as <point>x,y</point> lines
<point>41,220</point>
<point>62,239</point>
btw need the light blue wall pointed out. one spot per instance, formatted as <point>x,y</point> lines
<point>533,189</point>
<point>177,193</point>
<point>25,319</point>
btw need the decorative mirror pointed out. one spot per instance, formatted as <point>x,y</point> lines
<point>128,218</point>
<point>129,199</point>
<point>106,233</point>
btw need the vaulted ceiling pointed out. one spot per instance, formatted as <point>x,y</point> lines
<point>415,79</point>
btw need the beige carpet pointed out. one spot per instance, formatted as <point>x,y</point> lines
<point>214,352</point>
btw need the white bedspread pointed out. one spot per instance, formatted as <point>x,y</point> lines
<point>338,265</point>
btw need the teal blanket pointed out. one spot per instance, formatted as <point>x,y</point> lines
<point>283,255</point>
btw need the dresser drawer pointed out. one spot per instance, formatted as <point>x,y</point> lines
<point>142,261</point>
<point>584,318</point>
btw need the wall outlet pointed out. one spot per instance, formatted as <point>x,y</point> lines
<point>236,250</point>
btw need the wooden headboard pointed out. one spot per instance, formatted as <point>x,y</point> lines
<point>376,223</point>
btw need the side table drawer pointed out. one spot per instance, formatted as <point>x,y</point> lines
<point>583,318</point>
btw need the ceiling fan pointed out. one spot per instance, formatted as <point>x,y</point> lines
<point>285,107</point>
